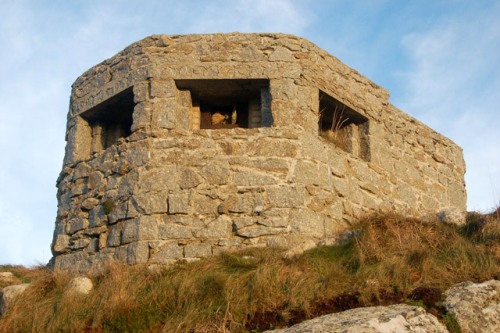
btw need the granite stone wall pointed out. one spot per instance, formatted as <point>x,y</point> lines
<point>306,146</point>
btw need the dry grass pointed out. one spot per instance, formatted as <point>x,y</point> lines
<point>392,259</point>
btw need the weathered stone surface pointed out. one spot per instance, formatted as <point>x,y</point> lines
<point>475,306</point>
<point>219,228</point>
<point>89,203</point>
<point>61,244</point>
<point>76,224</point>
<point>175,231</point>
<point>9,294</point>
<point>153,202</point>
<point>178,203</point>
<point>452,216</point>
<point>400,318</point>
<point>197,250</point>
<point>166,253</point>
<point>142,228</point>
<point>189,179</point>
<point>114,236</point>
<point>286,197</point>
<point>277,169</point>
<point>80,285</point>
<point>305,222</point>
<point>257,231</point>
<point>7,277</point>
<point>80,244</point>
<point>138,252</point>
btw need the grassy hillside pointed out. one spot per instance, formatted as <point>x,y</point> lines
<point>391,259</point>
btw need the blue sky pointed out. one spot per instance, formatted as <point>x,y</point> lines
<point>439,60</point>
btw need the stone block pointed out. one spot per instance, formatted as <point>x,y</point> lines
<point>163,178</point>
<point>307,223</point>
<point>238,203</point>
<point>267,147</point>
<point>97,182</point>
<point>164,113</point>
<point>137,154</point>
<point>175,231</point>
<point>199,250</point>
<point>204,204</point>
<point>103,239</point>
<point>178,203</point>
<point>97,217</point>
<point>260,230</point>
<point>335,210</point>
<point>189,178</point>
<point>137,252</point>
<point>141,116</point>
<point>310,173</point>
<point>252,178</point>
<point>162,88</point>
<point>77,224</point>
<point>82,170</point>
<point>152,202</point>
<point>69,261</point>
<point>219,228</point>
<point>118,210</point>
<point>189,221</point>
<point>281,54</point>
<point>215,173</point>
<point>61,244</point>
<point>114,236</point>
<point>243,221</point>
<point>139,229</point>
<point>271,164</point>
<point>80,244</point>
<point>121,254</point>
<point>277,221</point>
<point>286,196</point>
<point>166,253</point>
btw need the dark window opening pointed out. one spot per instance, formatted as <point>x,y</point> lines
<point>224,103</point>
<point>111,120</point>
<point>343,126</point>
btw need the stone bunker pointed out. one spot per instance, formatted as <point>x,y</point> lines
<point>180,147</point>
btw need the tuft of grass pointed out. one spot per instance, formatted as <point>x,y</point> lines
<point>483,228</point>
<point>390,259</point>
<point>108,206</point>
<point>451,323</point>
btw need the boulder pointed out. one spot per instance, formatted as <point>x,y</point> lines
<point>475,306</point>
<point>80,285</point>
<point>399,318</point>
<point>9,294</point>
<point>6,277</point>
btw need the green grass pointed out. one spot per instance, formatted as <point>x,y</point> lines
<point>391,259</point>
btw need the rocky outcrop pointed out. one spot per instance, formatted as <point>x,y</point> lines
<point>399,318</point>
<point>9,294</point>
<point>475,306</point>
